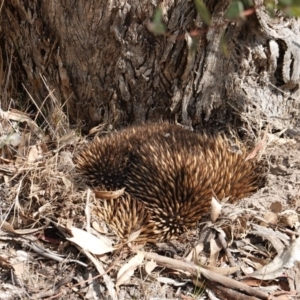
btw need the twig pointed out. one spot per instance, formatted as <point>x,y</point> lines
<point>224,245</point>
<point>52,291</point>
<point>208,274</point>
<point>46,253</point>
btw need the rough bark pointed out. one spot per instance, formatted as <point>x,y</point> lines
<point>104,65</point>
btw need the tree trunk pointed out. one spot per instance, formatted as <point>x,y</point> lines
<point>104,66</point>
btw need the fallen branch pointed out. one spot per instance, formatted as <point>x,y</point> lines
<point>208,274</point>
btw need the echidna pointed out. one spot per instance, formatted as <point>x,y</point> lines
<point>127,216</point>
<point>168,171</point>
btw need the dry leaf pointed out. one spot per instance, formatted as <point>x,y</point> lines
<point>274,140</point>
<point>216,208</point>
<point>252,282</point>
<point>127,270</point>
<point>24,256</point>
<point>68,139</point>
<point>89,242</point>
<point>98,228</point>
<point>276,207</point>
<point>246,269</point>
<point>43,209</point>
<point>97,129</point>
<point>68,183</point>
<point>194,254</point>
<point>271,217</point>
<point>222,271</point>
<point>19,116</point>
<point>133,236</point>
<point>170,281</point>
<point>7,227</point>
<point>260,145</point>
<point>4,263</point>
<point>214,253</point>
<point>106,278</point>
<point>136,247</point>
<point>241,227</point>
<point>19,269</point>
<point>46,207</point>
<point>255,263</point>
<point>288,218</point>
<point>282,261</point>
<point>13,139</point>
<point>35,154</point>
<point>150,266</point>
<point>109,195</point>
<point>274,237</point>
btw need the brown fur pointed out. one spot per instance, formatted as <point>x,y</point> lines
<point>171,172</point>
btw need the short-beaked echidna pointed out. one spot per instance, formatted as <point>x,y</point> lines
<point>127,216</point>
<point>168,171</point>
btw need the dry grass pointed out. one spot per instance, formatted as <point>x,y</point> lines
<point>43,200</point>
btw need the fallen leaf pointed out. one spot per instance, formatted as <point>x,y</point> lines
<point>260,145</point>
<point>89,242</point>
<point>7,227</point>
<point>271,217</point>
<point>214,253</point>
<point>35,154</point>
<point>20,116</point>
<point>276,207</point>
<point>288,218</point>
<point>216,208</point>
<point>109,195</point>
<point>4,263</point>
<point>98,228</point>
<point>133,236</point>
<point>222,271</point>
<point>14,139</point>
<point>68,183</point>
<point>170,281</point>
<point>274,237</point>
<point>128,269</point>
<point>282,261</point>
<point>19,269</point>
<point>150,266</point>
<point>193,256</point>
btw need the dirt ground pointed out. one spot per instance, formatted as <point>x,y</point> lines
<point>251,251</point>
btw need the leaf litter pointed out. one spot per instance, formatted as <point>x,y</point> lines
<point>53,245</point>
